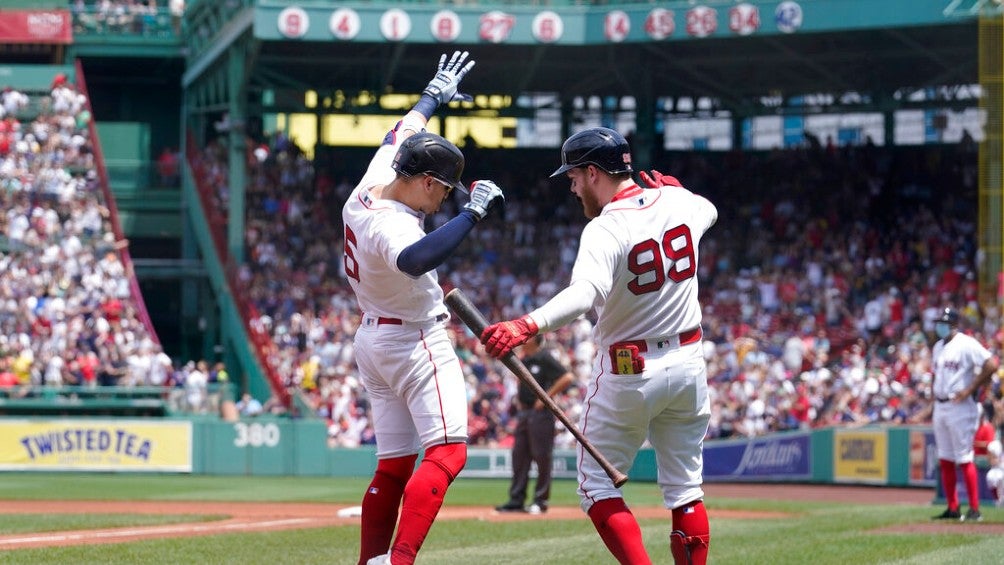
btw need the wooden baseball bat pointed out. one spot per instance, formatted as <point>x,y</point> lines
<point>475,320</point>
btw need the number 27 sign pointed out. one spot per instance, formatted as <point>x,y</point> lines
<point>496,26</point>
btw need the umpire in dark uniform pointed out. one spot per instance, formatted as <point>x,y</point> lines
<point>534,434</point>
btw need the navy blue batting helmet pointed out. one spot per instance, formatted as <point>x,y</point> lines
<point>429,154</point>
<point>602,147</point>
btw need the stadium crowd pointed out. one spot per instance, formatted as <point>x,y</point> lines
<point>136,17</point>
<point>821,279</point>
<point>67,314</point>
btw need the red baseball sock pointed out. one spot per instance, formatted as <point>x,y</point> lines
<point>423,497</point>
<point>948,483</point>
<point>381,503</point>
<point>619,531</point>
<point>691,534</point>
<point>969,476</point>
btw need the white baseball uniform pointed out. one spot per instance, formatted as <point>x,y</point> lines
<point>405,357</point>
<point>995,474</point>
<point>956,363</point>
<point>641,255</point>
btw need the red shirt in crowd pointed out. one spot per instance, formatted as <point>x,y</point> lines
<point>984,435</point>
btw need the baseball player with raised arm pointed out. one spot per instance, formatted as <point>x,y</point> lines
<point>637,266</point>
<point>405,357</point>
<point>961,367</point>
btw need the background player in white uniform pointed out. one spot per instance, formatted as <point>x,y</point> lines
<point>406,359</point>
<point>961,367</point>
<point>637,265</point>
<point>995,474</point>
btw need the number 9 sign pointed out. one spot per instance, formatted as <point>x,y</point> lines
<point>293,22</point>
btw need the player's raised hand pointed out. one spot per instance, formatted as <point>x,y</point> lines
<point>657,179</point>
<point>499,339</point>
<point>444,85</point>
<point>484,195</point>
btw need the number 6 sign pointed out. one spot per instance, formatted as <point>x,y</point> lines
<point>547,27</point>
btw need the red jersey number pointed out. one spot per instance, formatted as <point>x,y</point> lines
<point>349,257</point>
<point>646,260</point>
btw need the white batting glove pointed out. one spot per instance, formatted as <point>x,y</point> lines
<point>484,195</point>
<point>443,87</point>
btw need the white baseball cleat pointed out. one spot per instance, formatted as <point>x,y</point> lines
<point>380,560</point>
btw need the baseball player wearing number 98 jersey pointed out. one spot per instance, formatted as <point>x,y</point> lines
<point>637,266</point>
<point>405,357</point>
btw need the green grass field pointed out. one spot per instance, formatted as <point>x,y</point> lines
<point>809,532</point>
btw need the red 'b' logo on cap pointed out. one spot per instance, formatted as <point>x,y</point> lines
<point>626,157</point>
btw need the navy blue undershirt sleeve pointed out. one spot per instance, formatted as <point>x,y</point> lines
<point>429,252</point>
<point>426,106</point>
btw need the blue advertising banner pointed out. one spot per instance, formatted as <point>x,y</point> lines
<point>778,457</point>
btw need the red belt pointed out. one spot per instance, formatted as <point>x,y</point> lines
<point>398,321</point>
<point>686,338</point>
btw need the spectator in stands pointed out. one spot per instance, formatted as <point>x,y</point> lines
<point>161,366</point>
<point>249,406</point>
<point>12,102</point>
<point>167,167</point>
<point>67,316</point>
<point>126,17</point>
<point>8,380</point>
<point>196,379</point>
<point>114,369</point>
<point>177,9</point>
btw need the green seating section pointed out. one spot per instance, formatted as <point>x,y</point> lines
<point>147,401</point>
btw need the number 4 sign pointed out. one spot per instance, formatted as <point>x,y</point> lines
<point>344,23</point>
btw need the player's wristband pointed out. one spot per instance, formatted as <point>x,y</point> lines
<point>426,106</point>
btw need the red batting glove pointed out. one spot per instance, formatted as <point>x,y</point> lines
<point>499,339</point>
<point>657,179</point>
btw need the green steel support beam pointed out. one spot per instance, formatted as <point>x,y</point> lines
<point>227,36</point>
<point>645,142</point>
<point>237,93</point>
<point>237,345</point>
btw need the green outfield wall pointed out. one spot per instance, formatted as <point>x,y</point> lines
<point>892,456</point>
